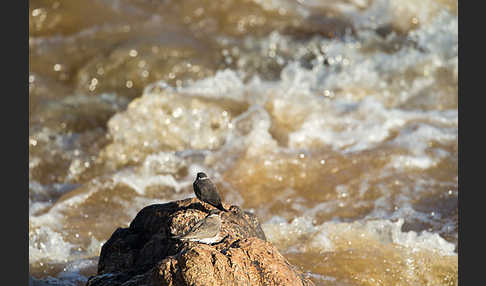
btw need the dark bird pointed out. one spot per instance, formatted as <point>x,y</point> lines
<point>207,230</point>
<point>206,191</point>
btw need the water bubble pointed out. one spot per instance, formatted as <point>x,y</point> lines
<point>133,53</point>
<point>142,64</point>
<point>36,12</point>
<point>177,112</point>
<point>93,83</point>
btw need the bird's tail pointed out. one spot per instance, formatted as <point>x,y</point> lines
<point>221,208</point>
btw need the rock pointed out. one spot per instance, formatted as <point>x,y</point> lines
<point>249,261</point>
<point>145,254</point>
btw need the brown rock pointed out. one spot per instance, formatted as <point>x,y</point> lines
<point>145,254</point>
<point>250,261</point>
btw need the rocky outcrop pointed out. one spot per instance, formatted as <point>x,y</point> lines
<point>145,254</point>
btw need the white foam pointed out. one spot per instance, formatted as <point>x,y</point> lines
<point>390,232</point>
<point>367,124</point>
<point>81,264</point>
<point>224,84</point>
<point>71,272</point>
<point>158,170</point>
<point>348,122</point>
<point>327,236</point>
<point>140,182</point>
<point>44,243</point>
<point>417,142</point>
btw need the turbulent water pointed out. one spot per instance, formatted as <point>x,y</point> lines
<point>335,122</point>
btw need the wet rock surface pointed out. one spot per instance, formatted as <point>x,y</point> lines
<point>145,254</point>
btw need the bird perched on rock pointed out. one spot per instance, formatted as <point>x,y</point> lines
<point>206,230</point>
<point>206,191</point>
